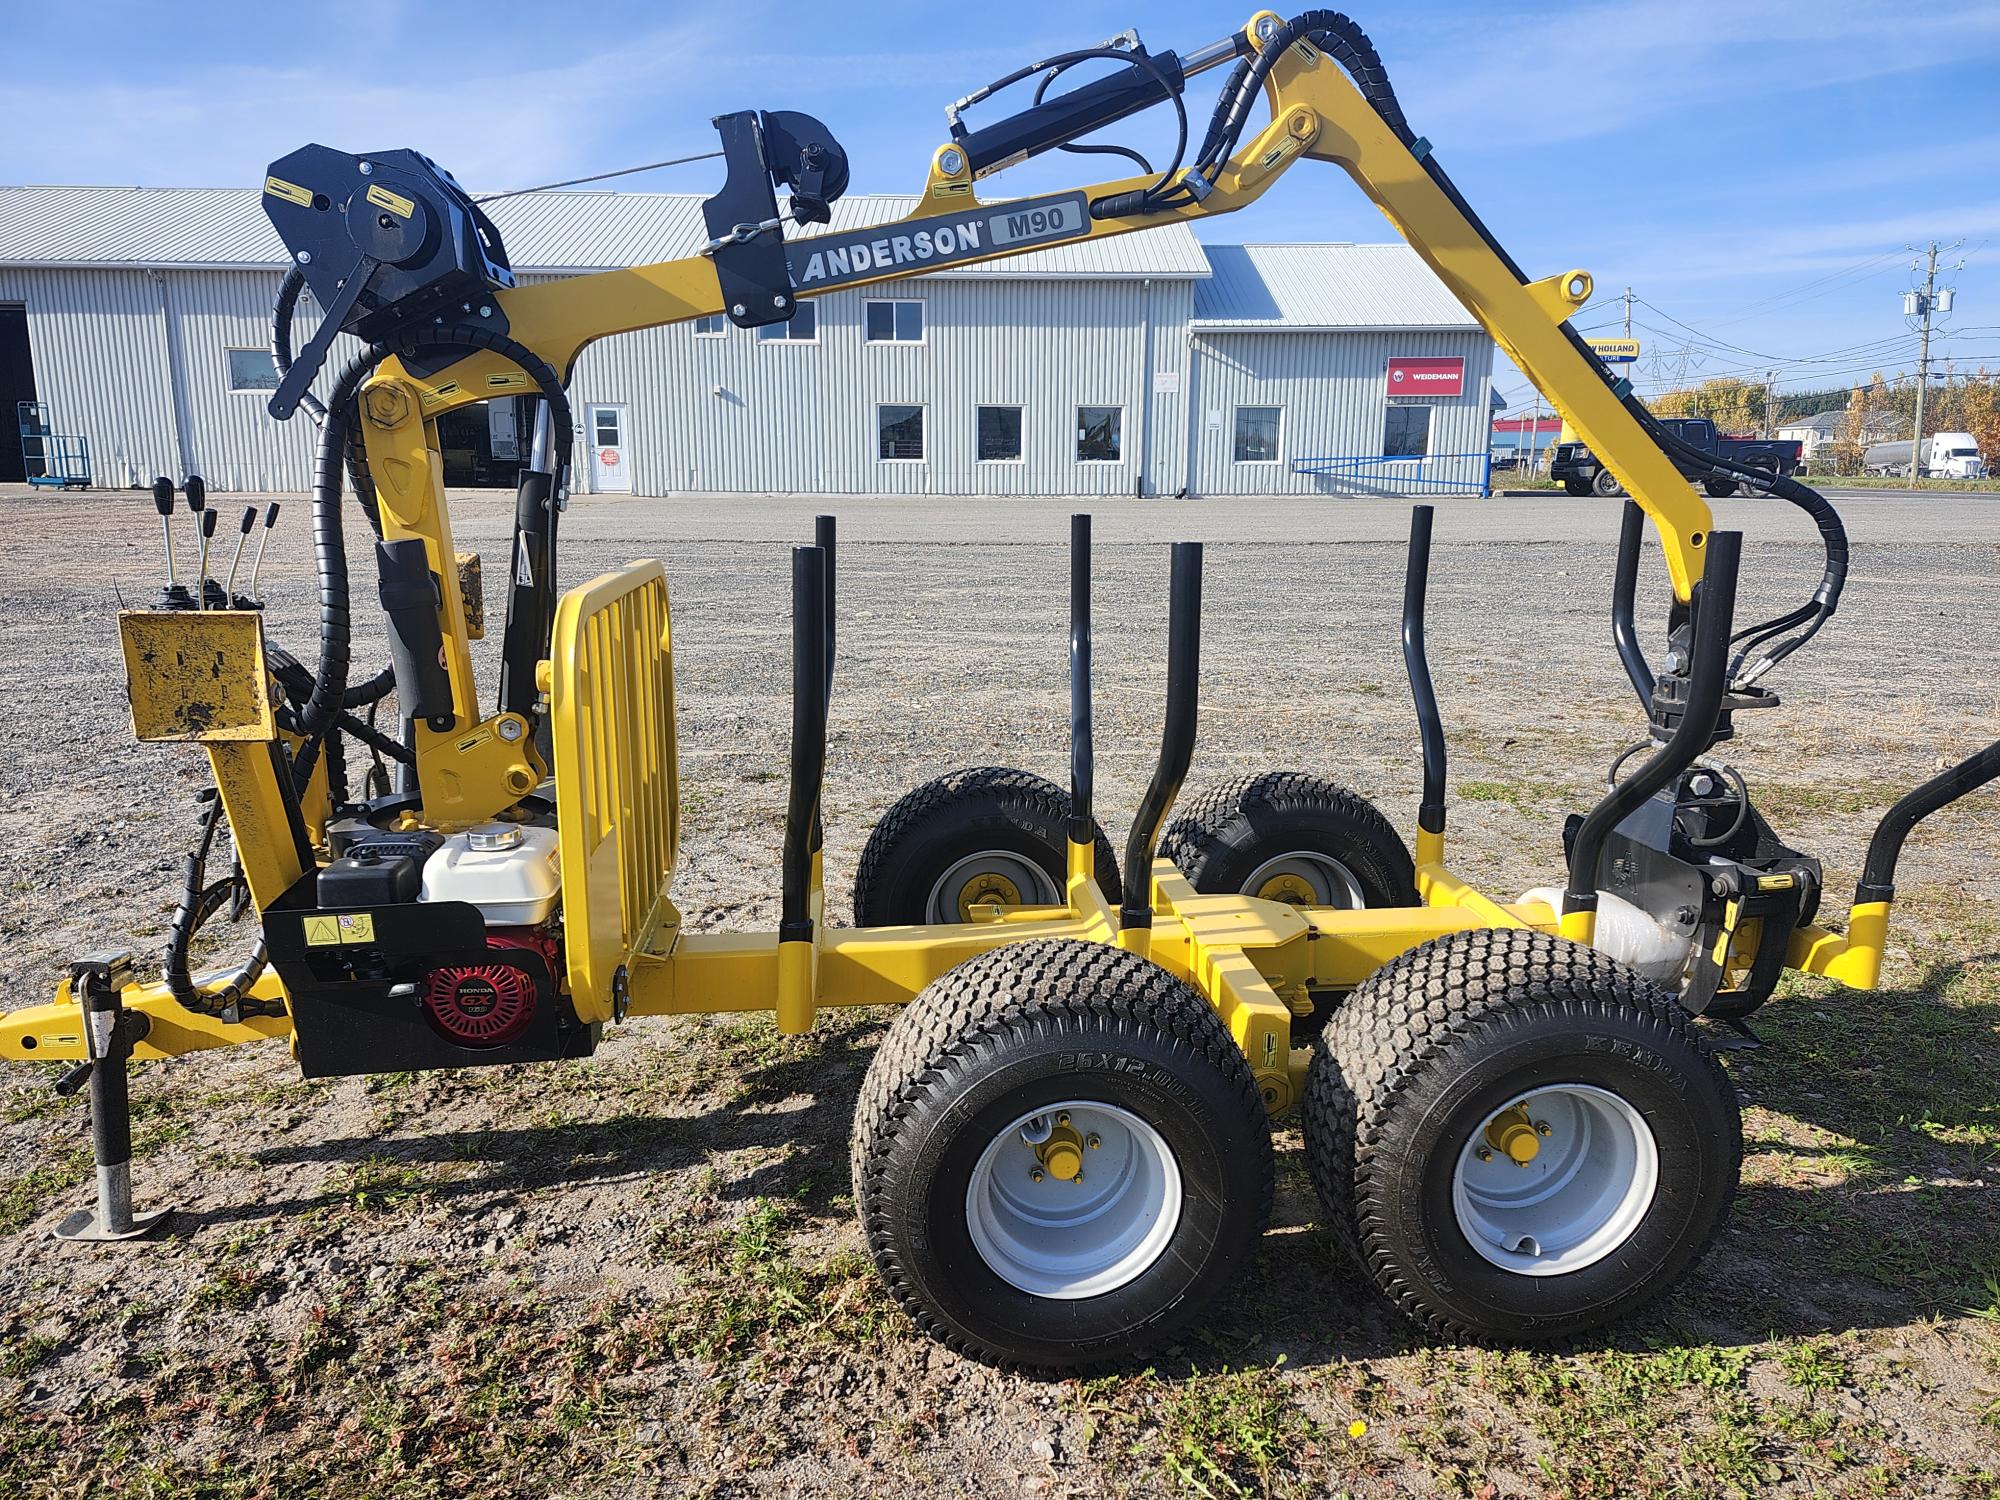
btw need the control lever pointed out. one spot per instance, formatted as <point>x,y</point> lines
<point>257,568</point>
<point>242,537</point>
<point>201,581</point>
<point>173,596</point>
<point>196,490</point>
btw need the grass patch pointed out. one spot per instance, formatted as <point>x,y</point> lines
<point>1234,1433</point>
<point>28,1196</point>
<point>1525,795</point>
<point>383,1184</point>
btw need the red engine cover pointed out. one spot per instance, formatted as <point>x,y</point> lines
<point>486,1005</point>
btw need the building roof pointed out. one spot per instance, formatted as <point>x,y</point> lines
<point>1322,288</point>
<point>1825,423</point>
<point>225,228</point>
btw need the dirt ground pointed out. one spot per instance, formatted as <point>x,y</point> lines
<point>641,1275</point>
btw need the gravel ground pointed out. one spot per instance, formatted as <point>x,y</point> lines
<point>641,1274</point>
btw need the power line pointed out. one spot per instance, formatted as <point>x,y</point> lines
<point>651,166</point>
<point>1805,292</point>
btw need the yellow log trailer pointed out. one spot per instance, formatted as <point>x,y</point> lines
<point>1062,1151</point>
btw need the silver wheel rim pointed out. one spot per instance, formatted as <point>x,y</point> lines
<point>968,875</point>
<point>1594,1173</point>
<point>1332,883</point>
<point>1069,1239</point>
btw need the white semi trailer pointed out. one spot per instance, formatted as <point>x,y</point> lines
<point>1947,455</point>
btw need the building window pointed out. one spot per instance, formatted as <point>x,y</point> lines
<point>1257,434</point>
<point>710,327</point>
<point>1408,434</point>
<point>1099,433</point>
<point>894,322</point>
<point>803,328</point>
<point>899,433</point>
<point>999,434</point>
<point>252,370</point>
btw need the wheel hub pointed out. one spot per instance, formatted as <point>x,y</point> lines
<point>1306,878</point>
<point>1293,890</point>
<point>1556,1181</point>
<point>970,889</point>
<point>1514,1135</point>
<point>989,888</point>
<point>1047,1226</point>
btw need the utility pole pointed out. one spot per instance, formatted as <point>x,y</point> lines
<point>1770,404</point>
<point>1628,312</point>
<point>1923,311</point>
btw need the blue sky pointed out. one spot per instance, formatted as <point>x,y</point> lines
<point>1753,171</point>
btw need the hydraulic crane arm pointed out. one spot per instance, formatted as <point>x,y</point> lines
<point>447,325</point>
<point>1315,111</point>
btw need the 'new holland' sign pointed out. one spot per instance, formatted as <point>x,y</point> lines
<point>828,260</point>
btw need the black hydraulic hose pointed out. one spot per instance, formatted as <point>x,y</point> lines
<point>1878,870</point>
<point>198,902</point>
<point>1176,736</point>
<point>281,337</point>
<point>1624,590</point>
<point>1417,666</point>
<point>1082,748</point>
<point>283,314</point>
<point>1708,684</point>
<point>1075,148</point>
<point>1342,39</point>
<point>1120,204</point>
<point>329,547</point>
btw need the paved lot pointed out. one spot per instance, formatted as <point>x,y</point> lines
<point>641,1273</point>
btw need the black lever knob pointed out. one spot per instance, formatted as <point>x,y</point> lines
<point>163,495</point>
<point>196,489</point>
<point>208,524</point>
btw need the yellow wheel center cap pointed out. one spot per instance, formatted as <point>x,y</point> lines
<point>989,889</point>
<point>1062,1154</point>
<point>1293,890</point>
<point>1514,1136</point>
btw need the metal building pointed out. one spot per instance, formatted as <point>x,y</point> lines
<point>1147,364</point>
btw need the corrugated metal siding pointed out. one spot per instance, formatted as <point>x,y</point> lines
<point>1333,389</point>
<point>236,444</point>
<point>737,414</point>
<point>98,339</point>
<point>740,414</point>
<point>1296,287</point>
<point>135,226</point>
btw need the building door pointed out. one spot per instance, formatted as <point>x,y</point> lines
<point>17,384</point>
<point>610,460</point>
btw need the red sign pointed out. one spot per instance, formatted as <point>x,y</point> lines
<point>1427,377</point>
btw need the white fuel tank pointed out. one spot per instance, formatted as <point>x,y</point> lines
<point>511,871</point>
<point>1631,935</point>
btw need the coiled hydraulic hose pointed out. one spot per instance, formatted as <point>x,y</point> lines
<point>199,901</point>
<point>282,316</point>
<point>329,544</point>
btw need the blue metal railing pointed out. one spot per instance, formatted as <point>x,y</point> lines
<point>59,459</point>
<point>1380,473</point>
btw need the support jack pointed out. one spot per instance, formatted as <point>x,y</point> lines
<point>109,1034</point>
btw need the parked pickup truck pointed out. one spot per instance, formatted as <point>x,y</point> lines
<point>1579,472</point>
